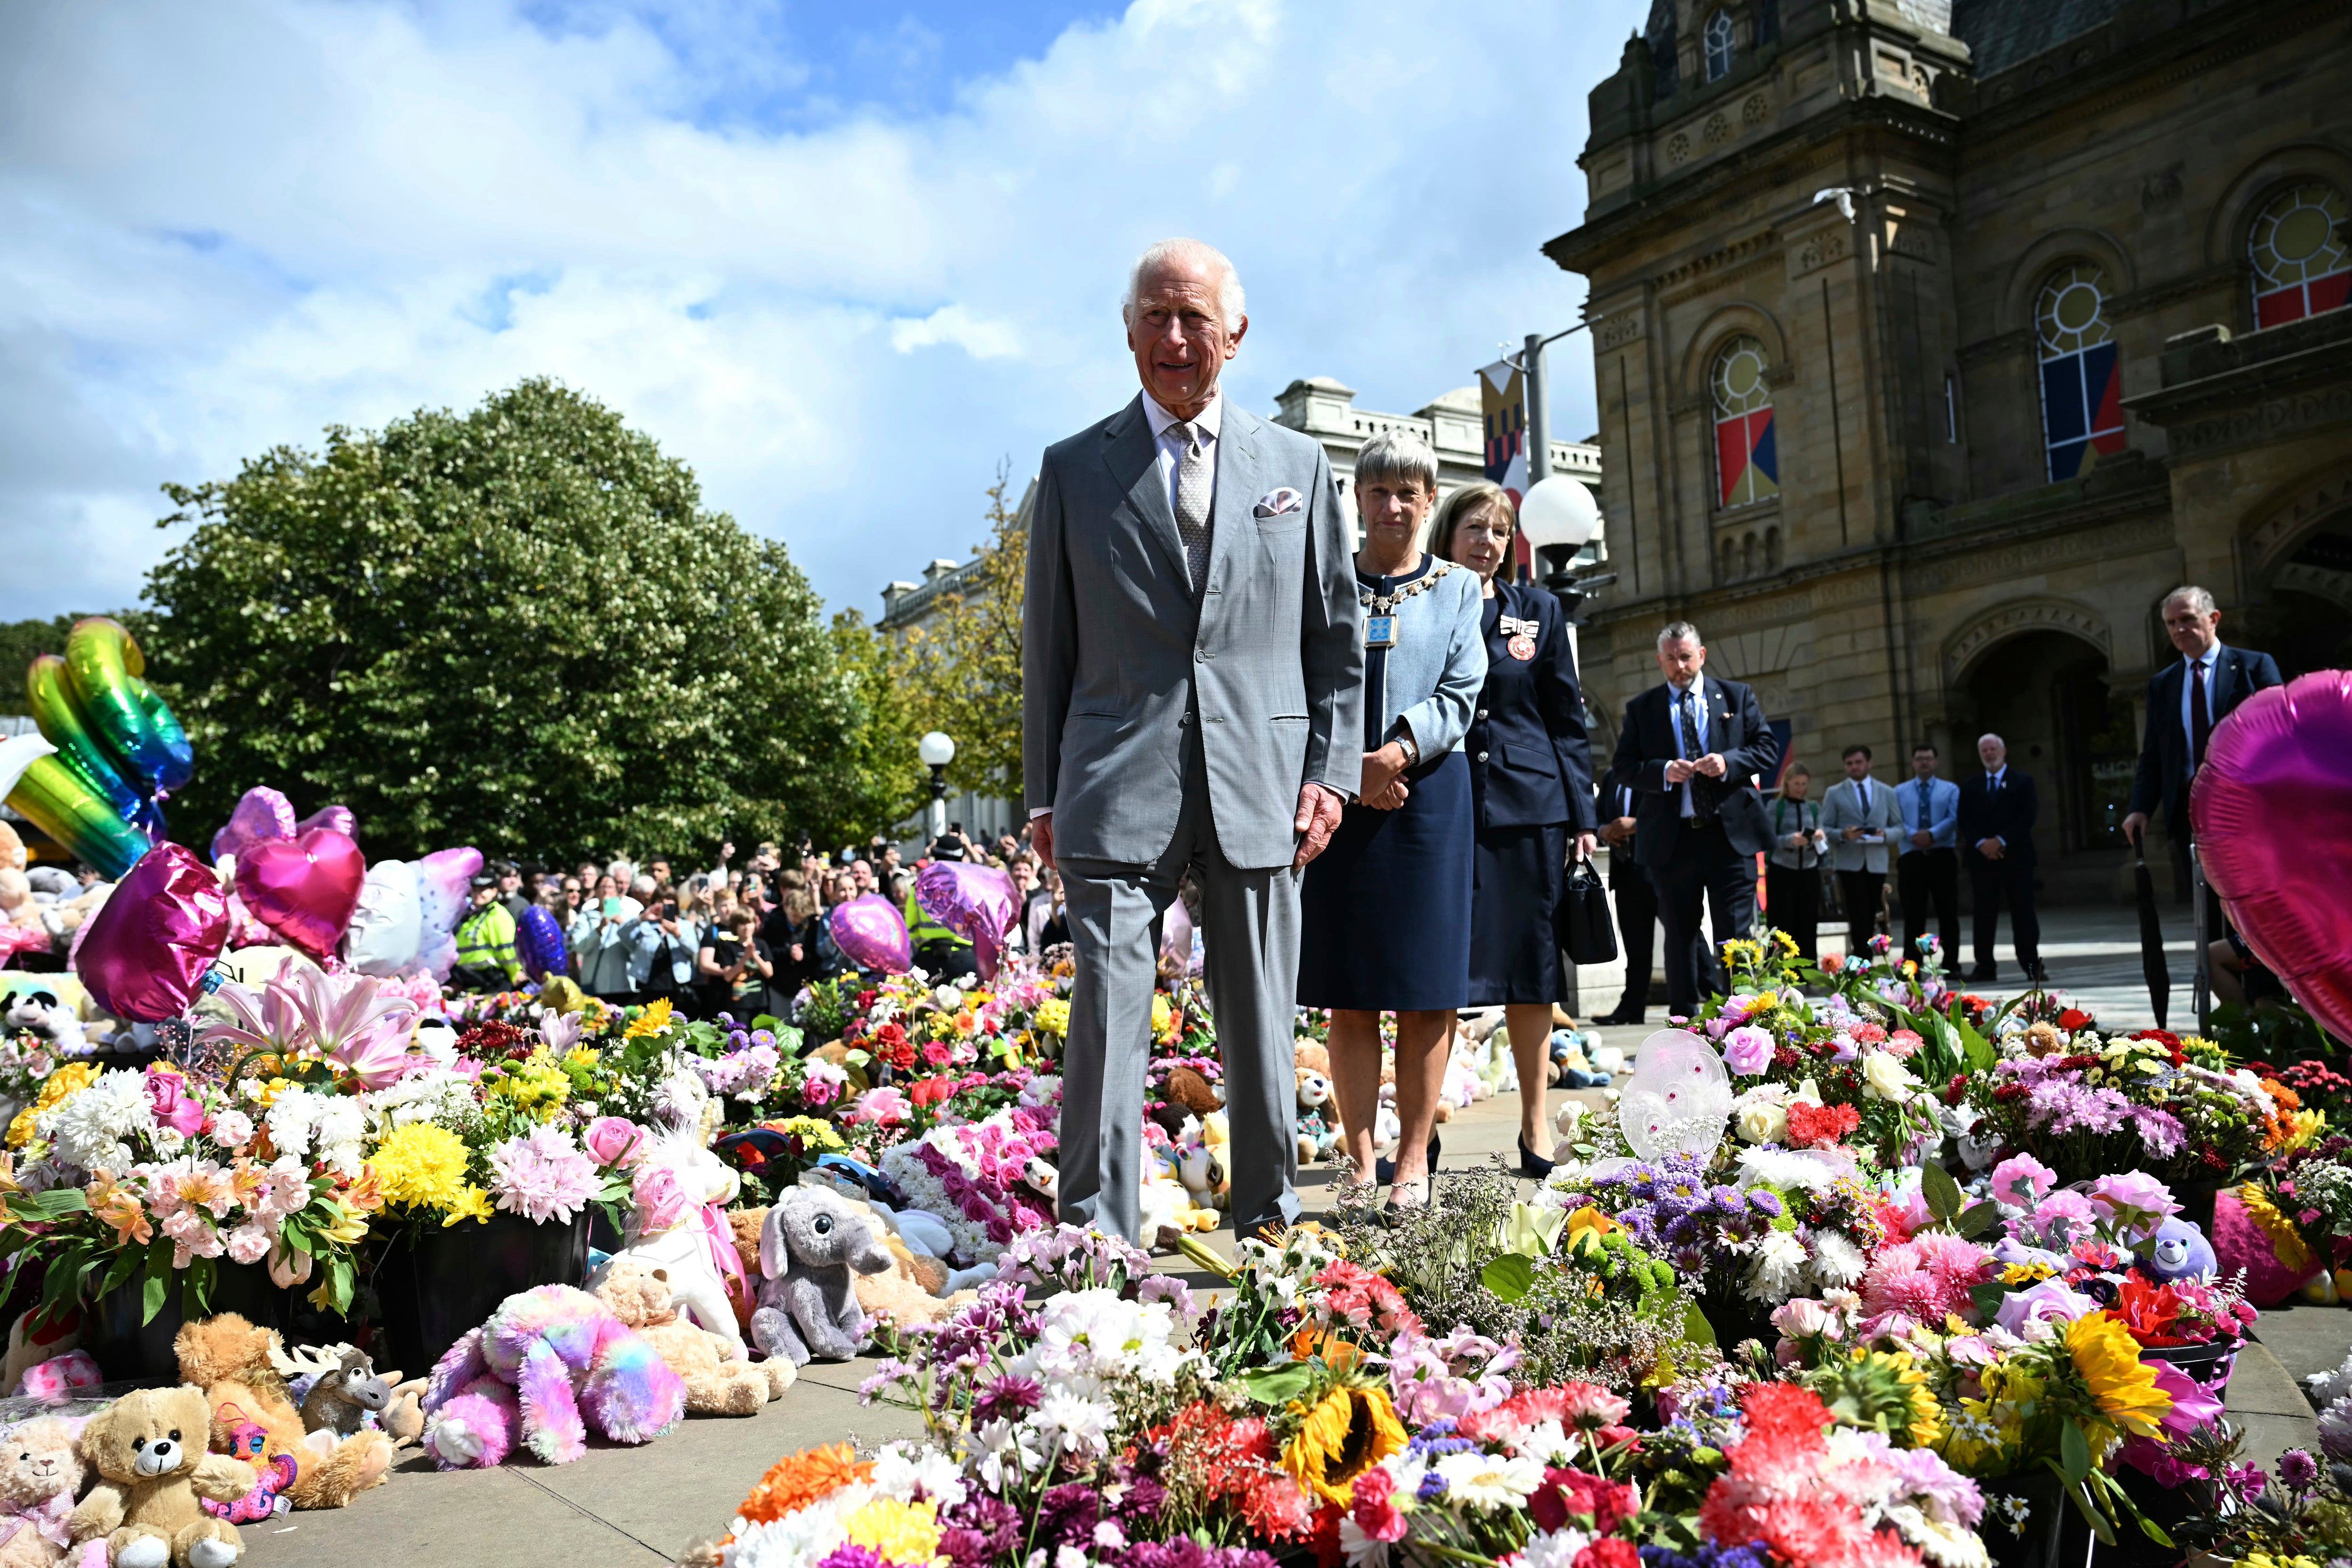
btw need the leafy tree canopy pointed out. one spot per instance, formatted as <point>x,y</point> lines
<point>967,661</point>
<point>516,629</point>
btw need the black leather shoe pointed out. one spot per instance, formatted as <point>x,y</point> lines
<point>1384,1171</point>
<point>1532,1166</point>
<point>1982,974</point>
<point>1625,1015</point>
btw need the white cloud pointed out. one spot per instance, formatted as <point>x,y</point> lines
<point>225,227</point>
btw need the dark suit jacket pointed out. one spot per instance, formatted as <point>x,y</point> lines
<point>2009,818</point>
<point>1530,759</point>
<point>2163,778</point>
<point>1736,728</point>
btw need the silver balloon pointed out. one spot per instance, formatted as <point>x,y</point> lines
<point>1678,1100</point>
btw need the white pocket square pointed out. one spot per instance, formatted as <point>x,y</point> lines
<point>1275,503</point>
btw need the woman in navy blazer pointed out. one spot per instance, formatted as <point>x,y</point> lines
<point>1531,788</point>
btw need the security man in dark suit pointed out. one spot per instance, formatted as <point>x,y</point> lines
<point>1693,749</point>
<point>2185,701</point>
<point>1998,808</point>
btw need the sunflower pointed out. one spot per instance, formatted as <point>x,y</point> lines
<point>2108,1358</point>
<point>1344,1434</point>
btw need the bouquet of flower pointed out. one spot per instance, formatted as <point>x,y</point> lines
<point>986,1179</point>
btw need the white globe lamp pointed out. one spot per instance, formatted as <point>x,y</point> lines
<point>1559,511</point>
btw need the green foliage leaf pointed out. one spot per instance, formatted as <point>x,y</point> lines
<point>1277,1385</point>
<point>1977,1219</point>
<point>1511,1277</point>
<point>1977,1053</point>
<point>2074,1452</point>
<point>1945,1199</point>
<point>151,1290</point>
<point>1696,1328</point>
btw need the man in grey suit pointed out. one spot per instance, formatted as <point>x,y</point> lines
<point>1192,691</point>
<point>1859,814</point>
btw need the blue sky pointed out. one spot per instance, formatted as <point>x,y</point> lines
<point>842,260</point>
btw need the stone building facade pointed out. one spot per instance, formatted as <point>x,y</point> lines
<point>1937,340</point>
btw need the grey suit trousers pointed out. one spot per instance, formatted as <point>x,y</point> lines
<point>1249,927</point>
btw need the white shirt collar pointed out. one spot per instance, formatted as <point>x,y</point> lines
<point>2208,656</point>
<point>1210,417</point>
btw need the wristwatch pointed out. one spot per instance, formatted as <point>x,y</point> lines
<point>1412,751</point>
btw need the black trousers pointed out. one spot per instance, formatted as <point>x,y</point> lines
<point>1861,892</point>
<point>1991,881</point>
<point>1637,926</point>
<point>1793,904</point>
<point>1923,878</point>
<point>1705,869</point>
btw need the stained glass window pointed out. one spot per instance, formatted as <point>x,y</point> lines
<point>2081,378</point>
<point>2301,253</point>
<point>1746,468</point>
<point>1716,36</point>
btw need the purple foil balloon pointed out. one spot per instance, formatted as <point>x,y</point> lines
<point>871,934</point>
<point>143,952</point>
<point>2284,757</point>
<point>263,812</point>
<point>338,818</point>
<point>539,945</point>
<point>979,903</point>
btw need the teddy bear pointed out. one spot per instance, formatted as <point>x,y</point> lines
<point>11,849</point>
<point>550,1363</point>
<point>677,1181</point>
<point>40,1475</point>
<point>153,1472</point>
<point>1317,1136</point>
<point>718,1381</point>
<point>242,1368</point>
<point>21,927</point>
<point>809,1244</point>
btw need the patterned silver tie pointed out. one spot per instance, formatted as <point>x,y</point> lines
<point>1196,477</point>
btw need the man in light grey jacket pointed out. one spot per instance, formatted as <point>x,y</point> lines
<point>1859,815</point>
<point>1192,671</point>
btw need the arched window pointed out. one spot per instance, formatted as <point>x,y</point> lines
<point>2302,254</point>
<point>1716,36</point>
<point>2081,380</point>
<point>1747,468</point>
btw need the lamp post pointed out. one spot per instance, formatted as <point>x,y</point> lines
<point>937,752</point>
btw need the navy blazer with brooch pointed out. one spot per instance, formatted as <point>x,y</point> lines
<point>1734,730</point>
<point>2163,772</point>
<point>1530,758</point>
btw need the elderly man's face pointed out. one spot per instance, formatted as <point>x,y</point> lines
<point>1177,332</point>
<point>2192,631</point>
<point>1994,751</point>
<point>1681,659</point>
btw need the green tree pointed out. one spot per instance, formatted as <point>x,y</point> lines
<point>971,666</point>
<point>515,628</point>
<point>884,781</point>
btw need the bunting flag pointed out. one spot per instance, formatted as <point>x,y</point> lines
<point>1503,400</point>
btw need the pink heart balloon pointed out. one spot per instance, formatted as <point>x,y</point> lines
<point>872,934</point>
<point>142,955</point>
<point>338,818</point>
<point>2285,756</point>
<point>303,888</point>
<point>262,813</point>
<point>979,903</point>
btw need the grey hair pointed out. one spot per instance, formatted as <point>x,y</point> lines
<point>2200,600</point>
<point>1231,304</point>
<point>643,888</point>
<point>1395,455</point>
<point>1679,631</point>
<point>1996,740</point>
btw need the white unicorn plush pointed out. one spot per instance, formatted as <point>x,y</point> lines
<point>679,1183</point>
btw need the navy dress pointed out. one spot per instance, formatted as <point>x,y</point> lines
<point>1531,780</point>
<point>1381,909</point>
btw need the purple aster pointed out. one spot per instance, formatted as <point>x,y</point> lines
<point>849,1555</point>
<point>1067,1514</point>
<point>1008,1399</point>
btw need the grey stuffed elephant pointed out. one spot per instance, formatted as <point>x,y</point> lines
<point>807,1310</point>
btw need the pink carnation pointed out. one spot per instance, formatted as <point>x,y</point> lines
<point>542,1175</point>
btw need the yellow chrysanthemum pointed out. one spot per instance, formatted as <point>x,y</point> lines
<point>58,1087</point>
<point>421,1165</point>
<point>1054,1016</point>
<point>471,1202</point>
<point>907,1534</point>
<point>652,1021</point>
<point>817,1131</point>
<point>2108,1358</point>
<point>583,1057</point>
<point>1163,1017</point>
<point>1345,1433</point>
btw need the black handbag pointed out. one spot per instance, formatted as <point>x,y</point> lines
<point>1581,922</point>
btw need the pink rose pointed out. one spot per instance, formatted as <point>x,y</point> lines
<point>660,1200</point>
<point>2021,1181</point>
<point>614,1140</point>
<point>167,1097</point>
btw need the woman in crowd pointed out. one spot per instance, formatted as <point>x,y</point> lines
<point>1792,874</point>
<point>1046,917</point>
<point>795,935</point>
<point>1384,911</point>
<point>1530,789</point>
<point>605,953</point>
<point>732,969</point>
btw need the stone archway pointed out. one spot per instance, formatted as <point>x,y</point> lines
<point>2298,563</point>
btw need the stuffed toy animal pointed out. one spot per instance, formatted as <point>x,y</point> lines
<point>911,1291</point>
<point>11,849</point>
<point>809,1244</point>
<point>153,1472</point>
<point>37,1009</point>
<point>2181,1252</point>
<point>346,1393</point>
<point>40,1475</point>
<point>242,1370</point>
<point>1312,1053</point>
<point>250,1441</point>
<point>676,1224</point>
<point>21,927</point>
<point>59,1378</point>
<point>32,1341</point>
<point>1317,1134</point>
<point>718,1379</point>
<point>550,1363</point>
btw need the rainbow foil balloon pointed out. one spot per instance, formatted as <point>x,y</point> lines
<point>119,750</point>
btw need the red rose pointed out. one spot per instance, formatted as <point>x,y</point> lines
<point>1609,1552</point>
<point>2074,1018</point>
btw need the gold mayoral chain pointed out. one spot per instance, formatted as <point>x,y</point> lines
<point>1379,626</point>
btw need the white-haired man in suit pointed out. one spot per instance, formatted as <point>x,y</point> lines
<point>1192,690</point>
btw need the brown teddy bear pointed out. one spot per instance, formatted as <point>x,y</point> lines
<point>1312,1053</point>
<point>640,1296</point>
<point>148,1449</point>
<point>40,1475</point>
<point>237,1366</point>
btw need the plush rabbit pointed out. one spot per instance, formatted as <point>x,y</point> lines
<point>809,1244</point>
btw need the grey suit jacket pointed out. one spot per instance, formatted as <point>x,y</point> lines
<point>1842,809</point>
<point>1114,648</point>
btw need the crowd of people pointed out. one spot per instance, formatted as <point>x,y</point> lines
<point>739,939</point>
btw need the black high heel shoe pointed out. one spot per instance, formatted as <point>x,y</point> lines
<point>1384,1171</point>
<point>1532,1166</point>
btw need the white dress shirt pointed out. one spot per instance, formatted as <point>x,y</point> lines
<point>1170,449</point>
<point>2187,680</point>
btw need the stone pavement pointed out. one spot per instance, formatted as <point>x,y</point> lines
<point>638,1508</point>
